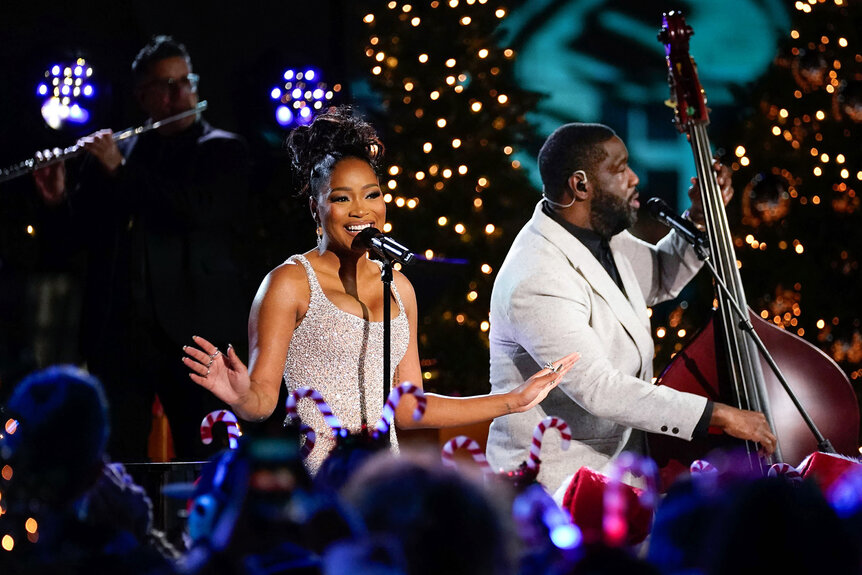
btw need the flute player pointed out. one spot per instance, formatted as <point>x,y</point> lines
<point>158,216</point>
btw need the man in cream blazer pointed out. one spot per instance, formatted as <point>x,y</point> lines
<point>552,296</point>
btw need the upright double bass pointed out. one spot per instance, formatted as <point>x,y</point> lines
<point>818,409</point>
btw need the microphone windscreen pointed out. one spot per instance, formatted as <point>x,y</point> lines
<point>657,207</point>
<point>364,237</point>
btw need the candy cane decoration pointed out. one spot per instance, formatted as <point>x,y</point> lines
<point>470,445</point>
<point>701,466</point>
<point>388,414</point>
<point>226,417</point>
<point>310,439</point>
<point>301,393</point>
<point>539,433</point>
<point>785,471</point>
<point>614,522</point>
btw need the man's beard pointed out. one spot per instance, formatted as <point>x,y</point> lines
<point>611,214</point>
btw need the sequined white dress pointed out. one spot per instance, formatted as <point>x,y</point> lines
<point>341,356</point>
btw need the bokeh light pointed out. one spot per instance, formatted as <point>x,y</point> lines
<point>65,92</point>
<point>301,96</point>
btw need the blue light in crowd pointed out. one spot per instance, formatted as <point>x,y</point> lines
<point>283,115</point>
<point>305,112</point>
<point>566,536</point>
<point>42,90</point>
<point>309,74</point>
<point>318,94</point>
<point>79,70</point>
<point>288,74</point>
<point>55,70</point>
<point>275,94</point>
<point>296,94</point>
<point>88,91</point>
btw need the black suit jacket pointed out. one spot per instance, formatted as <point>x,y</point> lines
<point>164,237</point>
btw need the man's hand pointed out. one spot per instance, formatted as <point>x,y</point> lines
<point>104,148</point>
<point>723,175</point>
<point>743,424</point>
<point>50,180</point>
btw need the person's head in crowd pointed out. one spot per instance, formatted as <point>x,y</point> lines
<point>337,157</point>
<point>845,497</point>
<point>257,505</point>
<point>350,453</point>
<point>443,521</point>
<point>750,526</point>
<point>164,82</point>
<point>585,167</point>
<point>599,559</point>
<point>57,450</point>
<point>364,555</point>
<point>778,526</point>
<point>681,529</point>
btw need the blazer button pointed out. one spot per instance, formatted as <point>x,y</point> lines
<point>664,427</point>
<point>675,430</point>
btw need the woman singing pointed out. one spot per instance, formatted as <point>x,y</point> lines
<point>317,318</point>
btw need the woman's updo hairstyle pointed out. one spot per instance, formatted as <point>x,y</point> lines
<point>332,136</point>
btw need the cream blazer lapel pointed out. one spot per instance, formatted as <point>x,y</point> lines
<point>631,311</point>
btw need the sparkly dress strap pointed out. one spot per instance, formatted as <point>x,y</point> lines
<point>313,285</point>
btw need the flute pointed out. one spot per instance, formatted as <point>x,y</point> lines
<point>32,164</point>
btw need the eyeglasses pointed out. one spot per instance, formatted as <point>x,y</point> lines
<point>165,86</point>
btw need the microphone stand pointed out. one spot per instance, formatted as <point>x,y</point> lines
<point>823,444</point>
<point>386,277</point>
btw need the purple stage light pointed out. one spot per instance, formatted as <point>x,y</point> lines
<point>283,115</point>
<point>64,85</point>
<point>301,96</point>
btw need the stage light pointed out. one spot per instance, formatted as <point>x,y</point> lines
<point>301,96</point>
<point>64,83</point>
<point>283,115</point>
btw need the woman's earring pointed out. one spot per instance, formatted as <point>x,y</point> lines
<point>319,235</point>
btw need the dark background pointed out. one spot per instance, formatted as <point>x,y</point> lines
<point>239,49</point>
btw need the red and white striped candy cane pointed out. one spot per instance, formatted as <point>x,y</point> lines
<point>301,393</point>
<point>226,417</point>
<point>462,441</point>
<point>310,439</point>
<point>388,414</point>
<point>614,524</point>
<point>785,471</point>
<point>699,466</point>
<point>539,433</point>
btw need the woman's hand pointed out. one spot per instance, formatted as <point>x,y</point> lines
<point>534,390</point>
<point>224,374</point>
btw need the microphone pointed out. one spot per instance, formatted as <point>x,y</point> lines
<point>383,246</point>
<point>660,210</point>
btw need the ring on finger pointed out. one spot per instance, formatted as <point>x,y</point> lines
<point>215,353</point>
<point>551,367</point>
<point>207,373</point>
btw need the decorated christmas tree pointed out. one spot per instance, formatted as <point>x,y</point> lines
<point>452,118</point>
<point>798,175</point>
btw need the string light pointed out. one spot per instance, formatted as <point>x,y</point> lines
<point>417,86</point>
